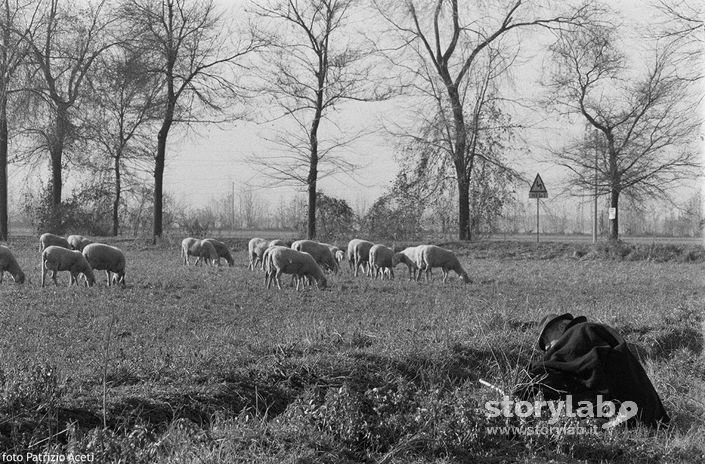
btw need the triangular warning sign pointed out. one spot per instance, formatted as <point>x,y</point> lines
<point>538,189</point>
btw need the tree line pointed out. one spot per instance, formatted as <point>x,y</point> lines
<point>96,87</point>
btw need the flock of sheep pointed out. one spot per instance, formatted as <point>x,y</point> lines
<point>306,260</point>
<point>75,254</point>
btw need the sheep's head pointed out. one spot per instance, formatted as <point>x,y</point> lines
<point>465,277</point>
<point>396,259</point>
<point>90,278</point>
<point>19,277</point>
<point>322,282</point>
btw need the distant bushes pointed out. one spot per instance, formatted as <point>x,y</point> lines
<point>647,252</point>
<point>86,211</point>
<point>654,252</point>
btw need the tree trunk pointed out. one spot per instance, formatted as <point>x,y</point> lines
<point>56,152</point>
<point>463,209</point>
<point>311,233</point>
<point>3,169</point>
<point>614,223</point>
<point>460,164</point>
<point>312,182</point>
<point>313,162</point>
<point>116,201</point>
<point>159,172</point>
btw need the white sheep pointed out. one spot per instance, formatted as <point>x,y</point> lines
<point>106,258</point>
<point>222,250</point>
<point>56,258</point>
<point>321,252</point>
<point>408,257</point>
<point>255,249</point>
<point>205,252</point>
<point>270,270</point>
<point>267,264</point>
<point>350,253</point>
<point>338,254</point>
<point>430,256</point>
<point>300,264</point>
<point>186,245</point>
<point>359,255</point>
<point>381,261</point>
<point>78,242</point>
<point>277,242</point>
<point>49,239</point>
<point>9,263</point>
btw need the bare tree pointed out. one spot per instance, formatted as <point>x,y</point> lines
<point>316,62</point>
<point>68,38</point>
<point>427,154</point>
<point>646,121</point>
<point>123,110</point>
<point>452,46</point>
<point>13,53</point>
<point>683,29</point>
<point>195,55</point>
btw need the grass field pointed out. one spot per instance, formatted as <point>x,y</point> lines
<point>192,364</point>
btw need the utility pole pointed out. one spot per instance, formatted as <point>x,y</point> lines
<point>594,218</point>
<point>232,205</point>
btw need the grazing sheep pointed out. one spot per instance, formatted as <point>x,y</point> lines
<point>186,245</point>
<point>9,263</point>
<point>381,261</point>
<point>204,251</point>
<point>320,251</point>
<point>350,253</point>
<point>430,256</point>
<point>106,258</point>
<point>78,242</point>
<point>277,242</point>
<point>338,254</point>
<point>48,239</point>
<point>222,250</point>
<point>408,257</point>
<point>56,258</point>
<point>255,249</point>
<point>300,264</point>
<point>359,255</point>
<point>270,270</point>
<point>268,265</point>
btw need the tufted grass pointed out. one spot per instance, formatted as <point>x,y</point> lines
<point>206,365</point>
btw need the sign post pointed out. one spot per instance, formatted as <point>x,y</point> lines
<point>538,191</point>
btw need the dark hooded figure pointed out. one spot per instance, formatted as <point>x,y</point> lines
<point>586,359</point>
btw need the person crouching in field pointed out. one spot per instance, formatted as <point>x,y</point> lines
<point>586,359</point>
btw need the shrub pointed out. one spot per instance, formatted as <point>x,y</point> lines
<point>83,212</point>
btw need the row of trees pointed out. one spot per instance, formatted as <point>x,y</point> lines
<point>98,85</point>
<point>399,218</point>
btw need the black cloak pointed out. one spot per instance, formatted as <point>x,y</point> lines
<point>592,359</point>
